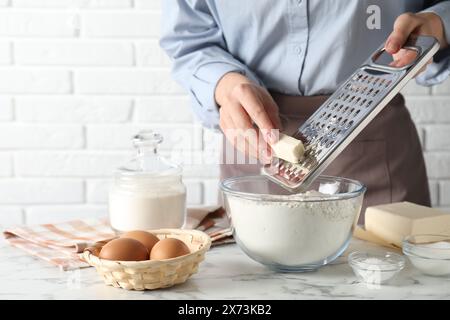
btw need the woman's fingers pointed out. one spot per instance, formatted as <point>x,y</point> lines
<point>403,27</point>
<point>240,117</point>
<point>264,151</point>
<point>246,134</point>
<point>244,138</point>
<point>247,111</point>
<point>237,128</point>
<point>257,147</point>
<point>225,120</point>
<point>273,112</point>
<point>403,58</point>
<point>253,146</point>
<point>255,108</point>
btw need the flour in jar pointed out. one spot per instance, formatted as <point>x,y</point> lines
<point>146,210</point>
<point>293,232</point>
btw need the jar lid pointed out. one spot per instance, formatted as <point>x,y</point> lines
<point>147,162</point>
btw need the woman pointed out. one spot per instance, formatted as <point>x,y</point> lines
<point>251,64</point>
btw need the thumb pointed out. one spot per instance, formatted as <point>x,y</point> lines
<point>404,26</point>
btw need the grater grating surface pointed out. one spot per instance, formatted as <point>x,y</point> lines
<point>346,113</point>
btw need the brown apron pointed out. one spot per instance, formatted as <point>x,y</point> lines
<point>386,156</point>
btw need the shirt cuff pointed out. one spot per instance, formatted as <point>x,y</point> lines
<point>203,86</point>
<point>436,73</point>
<point>443,11</point>
<point>439,70</point>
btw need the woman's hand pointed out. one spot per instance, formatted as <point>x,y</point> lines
<point>243,104</point>
<point>426,23</point>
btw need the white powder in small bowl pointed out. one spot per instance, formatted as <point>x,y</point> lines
<point>376,269</point>
<point>432,259</point>
<point>294,233</point>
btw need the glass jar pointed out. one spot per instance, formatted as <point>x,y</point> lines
<point>148,192</point>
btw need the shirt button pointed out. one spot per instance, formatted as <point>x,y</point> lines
<point>299,2</point>
<point>298,50</point>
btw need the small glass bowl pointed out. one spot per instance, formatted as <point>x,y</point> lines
<point>376,268</point>
<point>429,253</point>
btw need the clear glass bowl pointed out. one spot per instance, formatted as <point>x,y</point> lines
<point>429,253</point>
<point>376,268</point>
<point>293,232</point>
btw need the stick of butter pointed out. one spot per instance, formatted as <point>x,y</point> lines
<point>393,222</point>
<point>288,148</point>
<point>361,233</point>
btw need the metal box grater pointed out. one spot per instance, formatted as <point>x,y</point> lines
<point>347,112</point>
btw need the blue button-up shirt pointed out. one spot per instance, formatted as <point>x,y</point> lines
<point>295,47</point>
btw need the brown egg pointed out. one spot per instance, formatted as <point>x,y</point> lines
<point>169,248</point>
<point>144,237</point>
<point>124,249</point>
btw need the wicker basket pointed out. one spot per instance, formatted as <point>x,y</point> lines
<point>152,274</point>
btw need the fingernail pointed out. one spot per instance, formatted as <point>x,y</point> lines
<point>270,137</point>
<point>392,47</point>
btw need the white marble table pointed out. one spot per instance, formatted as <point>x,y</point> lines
<point>225,274</point>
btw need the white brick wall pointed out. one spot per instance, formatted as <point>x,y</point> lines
<point>149,54</point>
<point>17,80</point>
<point>72,3</point>
<point>5,53</point>
<point>73,53</point>
<point>6,110</point>
<point>29,23</point>
<point>11,215</point>
<point>23,191</point>
<point>26,136</point>
<point>78,78</point>
<point>71,109</point>
<point>6,169</point>
<point>80,163</point>
<point>128,24</point>
<point>131,81</point>
<point>163,109</point>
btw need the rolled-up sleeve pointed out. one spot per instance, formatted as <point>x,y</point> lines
<point>439,70</point>
<point>193,39</point>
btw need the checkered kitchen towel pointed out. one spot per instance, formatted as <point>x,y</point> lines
<point>61,243</point>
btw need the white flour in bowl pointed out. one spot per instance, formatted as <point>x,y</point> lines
<point>432,258</point>
<point>293,233</point>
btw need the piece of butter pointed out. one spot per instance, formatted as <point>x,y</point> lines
<point>393,222</point>
<point>288,148</point>
<point>360,233</point>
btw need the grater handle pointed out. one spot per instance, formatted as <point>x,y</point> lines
<point>423,45</point>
